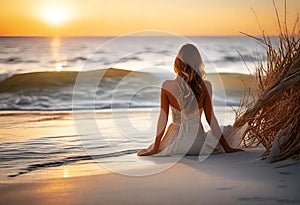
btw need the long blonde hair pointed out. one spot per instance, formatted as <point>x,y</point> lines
<point>189,66</point>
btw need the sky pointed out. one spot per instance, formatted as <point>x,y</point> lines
<point>118,17</point>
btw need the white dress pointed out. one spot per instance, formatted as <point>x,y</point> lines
<point>186,136</point>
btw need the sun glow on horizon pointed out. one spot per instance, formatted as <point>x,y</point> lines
<point>58,18</point>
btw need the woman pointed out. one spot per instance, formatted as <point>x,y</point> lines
<point>188,95</point>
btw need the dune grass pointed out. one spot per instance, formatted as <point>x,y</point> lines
<point>273,112</point>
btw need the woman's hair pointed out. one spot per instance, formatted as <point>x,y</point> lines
<point>189,66</point>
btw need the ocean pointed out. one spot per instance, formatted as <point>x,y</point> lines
<point>43,79</point>
<point>33,69</point>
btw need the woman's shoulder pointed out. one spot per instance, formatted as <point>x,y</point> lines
<point>208,86</point>
<point>207,83</point>
<point>169,83</point>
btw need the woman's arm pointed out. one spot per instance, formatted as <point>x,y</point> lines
<point>211,118</point>
<point>161,124</point>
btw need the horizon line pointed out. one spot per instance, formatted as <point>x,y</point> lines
<point>111,36</point>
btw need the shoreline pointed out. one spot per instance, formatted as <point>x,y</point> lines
<point>237,178</point>
<point>27,134</point>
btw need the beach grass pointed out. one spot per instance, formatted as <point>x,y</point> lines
<point>273,112</point>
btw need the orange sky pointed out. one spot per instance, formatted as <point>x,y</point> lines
<point>112,17</point>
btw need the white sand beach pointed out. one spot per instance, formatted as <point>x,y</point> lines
<point>239,178</point>
<point>236,178</point>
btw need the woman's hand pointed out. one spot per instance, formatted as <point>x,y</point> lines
<point>146,152</point>
<point>231,150</point>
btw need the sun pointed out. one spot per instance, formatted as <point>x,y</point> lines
<point>56,15</point>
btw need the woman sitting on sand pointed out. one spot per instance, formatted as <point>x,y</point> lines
<point>188,95</point>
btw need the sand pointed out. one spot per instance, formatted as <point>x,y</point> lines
<point>237,178</point>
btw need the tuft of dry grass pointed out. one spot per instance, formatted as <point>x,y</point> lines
<point>274,111</point>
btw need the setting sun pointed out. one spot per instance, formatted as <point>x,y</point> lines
<point>54,13</point>
<point>55,16</point>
